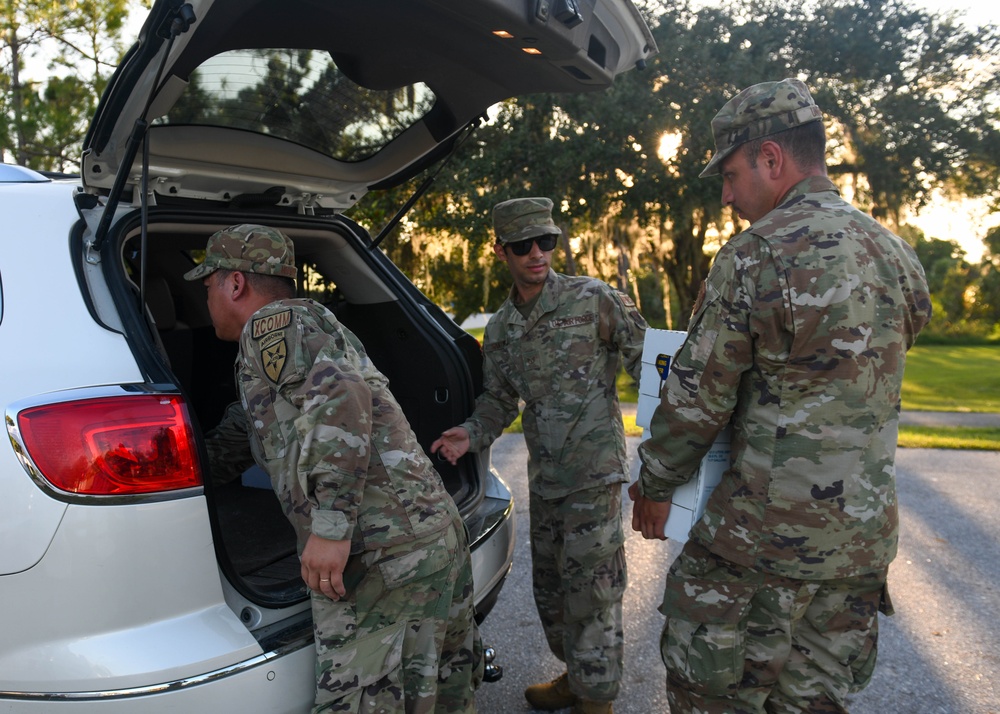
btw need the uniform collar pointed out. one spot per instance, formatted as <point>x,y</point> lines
<point>547,301</point>
<point>810,185</point>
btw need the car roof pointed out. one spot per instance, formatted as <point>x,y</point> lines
<point>10,173</point>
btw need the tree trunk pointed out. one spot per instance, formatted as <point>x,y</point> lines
<point>568,252</point>
<point>622,255</point>
<point>664,283</point>
<point>17,97</point>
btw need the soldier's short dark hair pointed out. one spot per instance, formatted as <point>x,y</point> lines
<point>276,287</point>
<point>806,144</point>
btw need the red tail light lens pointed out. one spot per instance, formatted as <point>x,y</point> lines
<point>113,445</point>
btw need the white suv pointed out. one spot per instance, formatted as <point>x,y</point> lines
<point>128,581</point>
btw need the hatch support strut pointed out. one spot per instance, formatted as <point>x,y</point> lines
<point>424,185</point>
<point>180,23</point>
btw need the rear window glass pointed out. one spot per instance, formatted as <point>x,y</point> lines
<point>301,96</point>
<point>310,283</point>
<point>313,284</point>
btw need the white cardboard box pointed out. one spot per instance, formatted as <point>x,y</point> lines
<point>689,500</point>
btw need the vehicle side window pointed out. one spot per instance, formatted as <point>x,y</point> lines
<point>316,286</point>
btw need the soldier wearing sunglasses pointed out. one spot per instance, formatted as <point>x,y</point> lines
<point>557,343</point>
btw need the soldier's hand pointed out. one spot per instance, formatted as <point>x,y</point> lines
<point>453,444</point>
<point>323,564</point>
<point>648,516</point>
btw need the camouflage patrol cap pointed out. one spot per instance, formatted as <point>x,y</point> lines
<point>248,248</point>
<point>760,110</point>
<point>522,218</point>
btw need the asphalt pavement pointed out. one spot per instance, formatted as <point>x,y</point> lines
<point>939,654</point>
<point>976,419</point>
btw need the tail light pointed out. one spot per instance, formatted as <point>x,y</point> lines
<point>117,445</point>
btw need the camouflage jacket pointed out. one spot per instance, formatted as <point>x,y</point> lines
<point>341,456</point>
<point>800,341</point>
<point>228,446</point>
<point>562,361</point>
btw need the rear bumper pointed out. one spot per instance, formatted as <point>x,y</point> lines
<point>273,683</point>
<point>491,542</point>
<point>486,602</point>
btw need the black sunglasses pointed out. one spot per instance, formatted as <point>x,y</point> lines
<point>545,242</point>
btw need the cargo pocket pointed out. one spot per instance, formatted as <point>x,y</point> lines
<point>864,666</point>
<point>363,675</point>
<point>412,566</point>
<point>844,618</point>
<point>704,642</point>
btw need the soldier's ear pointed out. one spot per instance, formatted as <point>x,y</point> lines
<point>772,156</point>
<point>240,285</point>
<point>500,252</point>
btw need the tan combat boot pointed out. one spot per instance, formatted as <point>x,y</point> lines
<point>588,706</point>
<point>551,695</point>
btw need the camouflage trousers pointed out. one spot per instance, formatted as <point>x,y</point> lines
<point>405,640</point>
<point>579,577</point>
<point>738,640</point>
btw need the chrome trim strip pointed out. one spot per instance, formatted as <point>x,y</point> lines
<point>164,687</point>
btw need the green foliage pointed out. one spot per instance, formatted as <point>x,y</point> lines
<point>886,72</point>
<point>628,389</point>
<point>42,124</point>
<point>984,298</point>
<point>966,298</point>
<point>939,258</point>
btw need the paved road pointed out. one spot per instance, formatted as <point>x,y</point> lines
<point>940,654</point>
<point>975,419</point>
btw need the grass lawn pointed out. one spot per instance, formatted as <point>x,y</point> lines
<point>947,378</point>
<point>960,437</point>
<point>952,378</point>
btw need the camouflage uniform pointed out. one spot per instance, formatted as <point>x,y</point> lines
<point>800,344</point>
<point>563,360</point>
<point>228,446</point>
<point>346,465</point>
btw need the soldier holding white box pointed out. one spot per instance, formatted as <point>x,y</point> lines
<point>799,344</point>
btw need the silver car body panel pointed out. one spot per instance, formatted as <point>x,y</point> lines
<point>57,327</point>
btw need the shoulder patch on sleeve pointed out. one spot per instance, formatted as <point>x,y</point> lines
<point>269,323</point>
<point>270,332</point>
<point>625,298</point>
<point>273,354</point>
